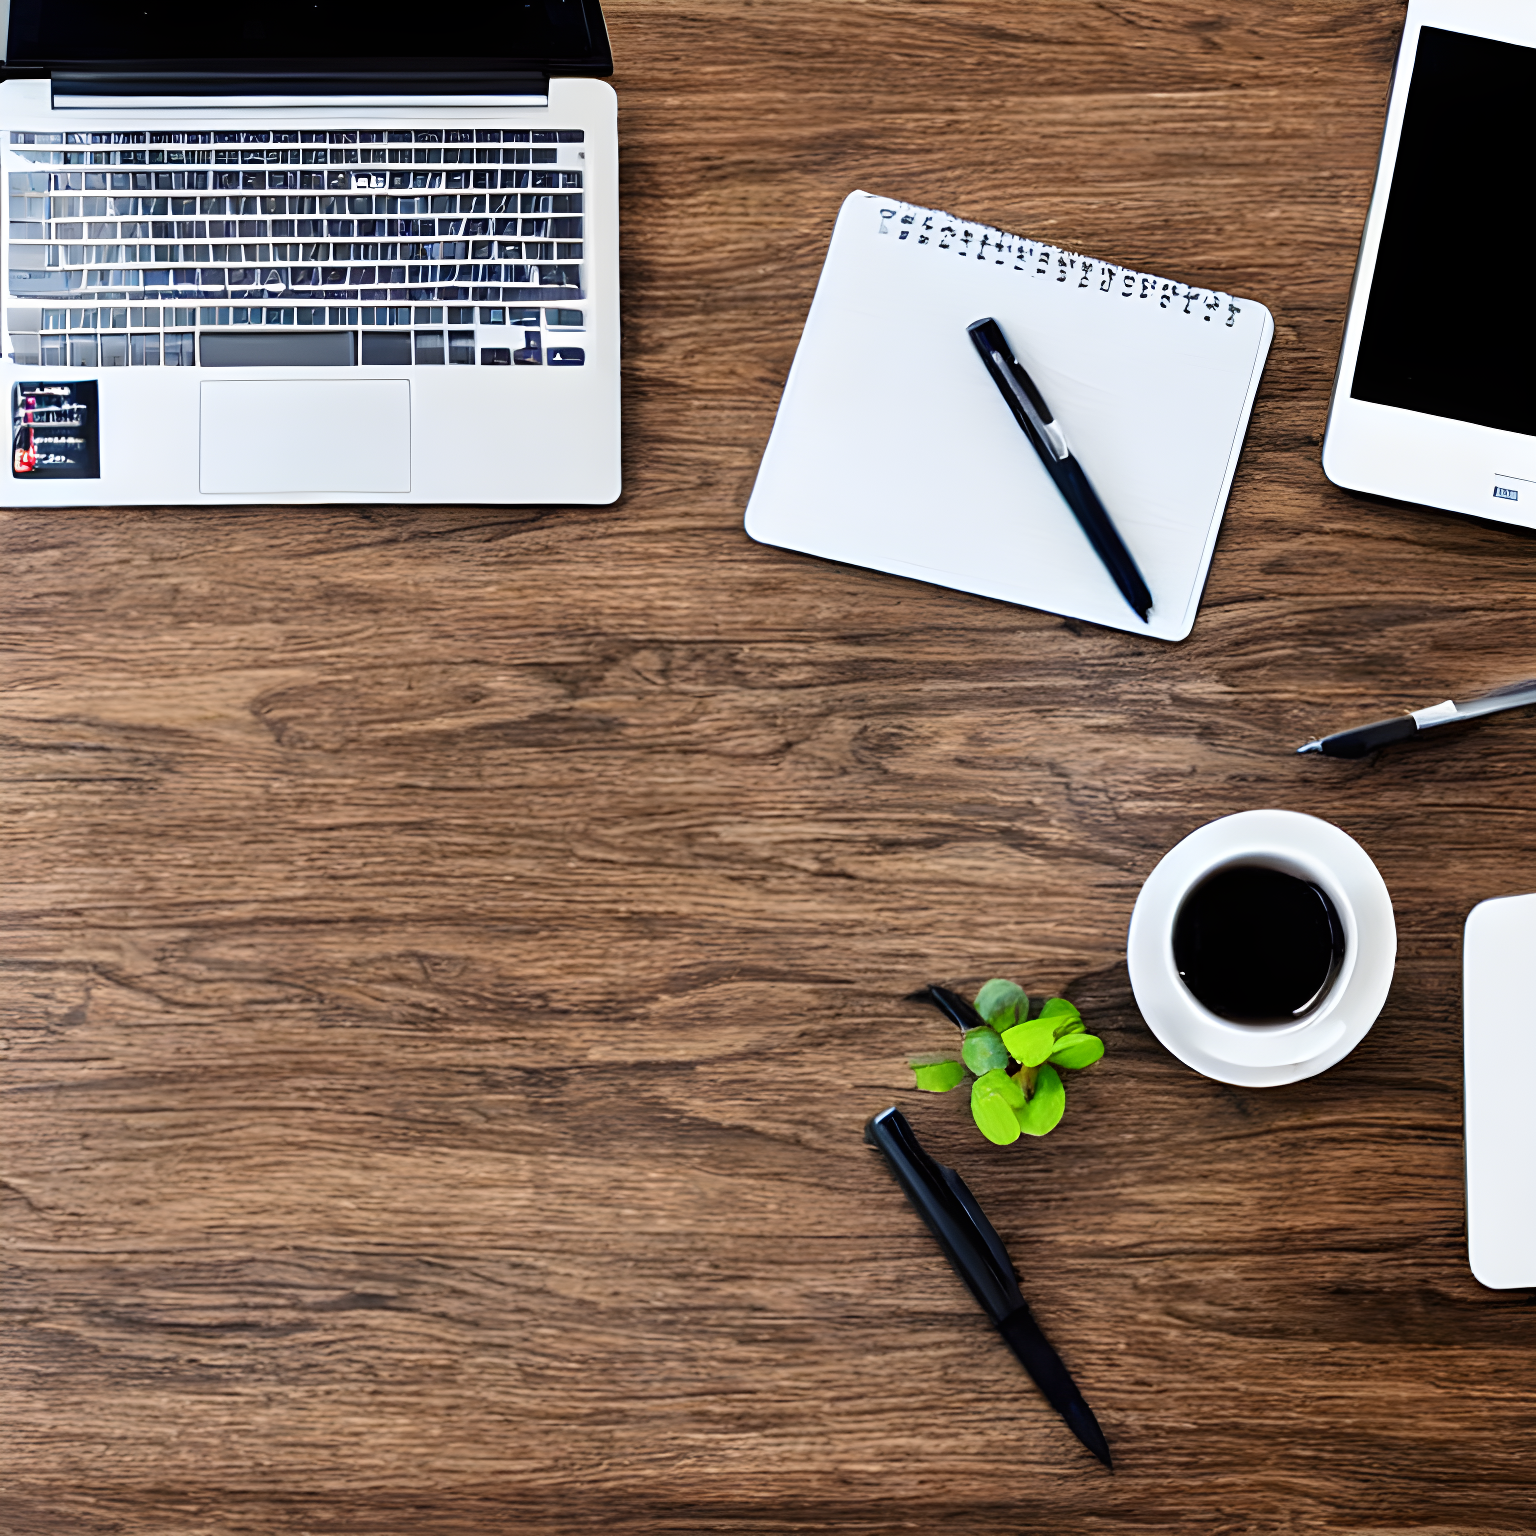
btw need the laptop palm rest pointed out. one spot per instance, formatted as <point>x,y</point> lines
<point>305,435</point>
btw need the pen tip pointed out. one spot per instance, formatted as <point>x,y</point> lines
<point>1311,746</point>
<point>1081,1422</point>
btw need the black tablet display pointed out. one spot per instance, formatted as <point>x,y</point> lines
<point>1451,318</point>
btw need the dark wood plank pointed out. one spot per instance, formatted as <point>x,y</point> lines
<point>447,956</point>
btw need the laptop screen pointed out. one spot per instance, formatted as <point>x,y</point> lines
<point>336,36</point>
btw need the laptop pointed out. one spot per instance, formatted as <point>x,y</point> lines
<point>298,252</point>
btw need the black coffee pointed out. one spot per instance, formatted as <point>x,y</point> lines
<point>1257,946</point>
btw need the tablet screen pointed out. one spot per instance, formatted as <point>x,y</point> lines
<point>1451,321</point>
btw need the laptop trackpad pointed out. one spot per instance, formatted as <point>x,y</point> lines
<point>296,435</point>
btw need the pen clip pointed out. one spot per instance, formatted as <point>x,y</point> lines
<point>1002,1265</point>
<point>1054,438</point>
<point>1018,388</point>
<point>951,1213</point>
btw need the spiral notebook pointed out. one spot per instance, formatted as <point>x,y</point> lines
<point>893,449</point>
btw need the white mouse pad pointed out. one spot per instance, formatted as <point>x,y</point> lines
<point>1499,1036</point>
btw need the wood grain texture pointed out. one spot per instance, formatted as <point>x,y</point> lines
<point>447,956</point>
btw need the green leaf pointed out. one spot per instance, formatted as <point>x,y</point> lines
<point>995,1118</point>
<point>1029,1044</point>
<point>1044,1111</point>
<point>1077,1052</point>
<point>982,1051</point>
<point>938,1076</point>
<point>1063,1015</point>
<point>1002,1003</point>
<point>998,1082</point>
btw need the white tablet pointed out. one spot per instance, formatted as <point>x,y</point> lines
<point>1435,398</point>
<point>1499,1041</point>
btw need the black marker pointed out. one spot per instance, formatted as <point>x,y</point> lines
<point>1045,436</point>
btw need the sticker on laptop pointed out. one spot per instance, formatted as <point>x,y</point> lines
<point>53,430</point>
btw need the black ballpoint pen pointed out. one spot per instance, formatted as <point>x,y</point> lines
<point>1380,733</point>
<point>1046,438</point>
<point>971,1244</point>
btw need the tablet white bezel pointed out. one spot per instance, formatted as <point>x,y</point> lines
<point>1408,455</point>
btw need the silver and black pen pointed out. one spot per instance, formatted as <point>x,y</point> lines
<point>1364,739</point>
<point>1046,438</point>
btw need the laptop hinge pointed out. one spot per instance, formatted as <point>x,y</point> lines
<point>99,89</point>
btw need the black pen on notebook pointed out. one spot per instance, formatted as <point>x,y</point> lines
<point>1380,733</point>
<point>1046,438</point>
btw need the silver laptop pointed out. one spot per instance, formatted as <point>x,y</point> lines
<point>255,256</point>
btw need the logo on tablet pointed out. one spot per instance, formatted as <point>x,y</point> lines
<point>1506,493</point>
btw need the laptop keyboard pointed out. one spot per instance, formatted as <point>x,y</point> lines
<point>263,247</point>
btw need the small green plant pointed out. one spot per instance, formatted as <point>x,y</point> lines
<point>1013,1060</point>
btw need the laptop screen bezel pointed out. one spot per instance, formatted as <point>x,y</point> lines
<point>598,60</point>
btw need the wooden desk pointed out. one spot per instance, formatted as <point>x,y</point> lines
<point>448,956</point>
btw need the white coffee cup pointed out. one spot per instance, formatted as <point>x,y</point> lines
<point>1258,1055</point>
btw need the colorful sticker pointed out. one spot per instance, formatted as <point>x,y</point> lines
<point>53,431</point>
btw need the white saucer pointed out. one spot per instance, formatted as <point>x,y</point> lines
<point>1265,1055</point>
